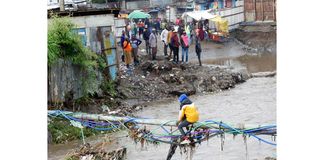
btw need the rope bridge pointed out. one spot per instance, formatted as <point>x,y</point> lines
<point>165,131</point>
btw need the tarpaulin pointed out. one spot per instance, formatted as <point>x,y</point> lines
<point>199,15</point>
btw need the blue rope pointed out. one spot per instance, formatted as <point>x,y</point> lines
<point>104,126</point>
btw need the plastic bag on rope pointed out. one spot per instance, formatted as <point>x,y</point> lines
<point>76,124</point>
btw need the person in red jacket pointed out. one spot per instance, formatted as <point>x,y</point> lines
<point>175,46</point>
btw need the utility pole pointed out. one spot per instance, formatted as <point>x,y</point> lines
<point>61,2</point>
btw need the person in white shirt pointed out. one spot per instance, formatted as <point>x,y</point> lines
<point>164,39</point>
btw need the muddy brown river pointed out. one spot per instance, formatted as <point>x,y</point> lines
<point>252,102</point>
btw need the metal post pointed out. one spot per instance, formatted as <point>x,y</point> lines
<point>61,3</point>
<point>273,10</point>
<point>262,10</point>
<point>189,153</point>
<point>169,13</point>
<point>255,10</point>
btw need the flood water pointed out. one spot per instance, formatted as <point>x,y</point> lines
<point>252,102</point>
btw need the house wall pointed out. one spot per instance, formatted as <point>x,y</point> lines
<point>93,21</point>
<point>97,33</point>
<point>160,3</point>
<point>139,4</point>
<point>260,10</point>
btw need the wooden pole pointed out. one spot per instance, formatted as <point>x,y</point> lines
<point>255,10</point>
<point>262,10</point>
<point>189,153</point>
<point>273,10</point>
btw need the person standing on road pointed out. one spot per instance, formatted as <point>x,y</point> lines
<point>164,38</point>
<point>198,48</point>
<point>135,46</point>
<point>175,46</point>
<point>158,29</point>
<point>123,37</point>
<point>169,40</point>
<point>135,29</point>
<point>127,52</point>
<point>188,114</point>
<point>140,26</point>
<point>153,43</point>
<point>184,40</point>
<point>146,36</point>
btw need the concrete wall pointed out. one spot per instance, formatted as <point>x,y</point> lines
<point>64,78</point>
<point>94,20</point>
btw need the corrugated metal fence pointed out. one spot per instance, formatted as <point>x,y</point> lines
<point>260,10</point>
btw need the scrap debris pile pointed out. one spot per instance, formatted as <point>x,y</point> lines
<point>88,152</point>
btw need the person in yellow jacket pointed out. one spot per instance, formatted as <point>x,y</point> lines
<point>188,114</point>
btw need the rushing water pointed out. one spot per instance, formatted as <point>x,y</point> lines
<point>252,102</point>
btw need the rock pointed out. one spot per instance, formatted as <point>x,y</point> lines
<point>115,112</point>
<point>213,79</point>
<point>264,74</point>
<point>187,89</point>
<point>105,108</point>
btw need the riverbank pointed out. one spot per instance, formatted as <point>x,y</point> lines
<point>154,81</point>
<point>258,37</point>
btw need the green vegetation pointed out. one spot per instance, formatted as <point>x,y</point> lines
<point>109,87</point>
<point>98,1</point>
<point>62,131</point>
<point>64,43</point>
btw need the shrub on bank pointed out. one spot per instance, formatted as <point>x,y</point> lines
<point>61,131</point>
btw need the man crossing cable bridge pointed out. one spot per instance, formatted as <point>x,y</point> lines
<point>188,114</point>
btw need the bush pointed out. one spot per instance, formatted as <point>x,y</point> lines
<point>62,131</point>
<point>109,87</point>
<point>64,43</point>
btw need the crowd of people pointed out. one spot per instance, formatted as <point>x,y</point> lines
<point>173,36</point>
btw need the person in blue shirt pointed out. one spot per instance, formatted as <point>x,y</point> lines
<point>135,42</point>
<point>146,35</point>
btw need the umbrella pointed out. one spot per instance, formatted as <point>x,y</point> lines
<point>138,14</point>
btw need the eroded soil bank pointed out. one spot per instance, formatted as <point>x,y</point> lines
<point>257,37</point>
<point>156,80</point>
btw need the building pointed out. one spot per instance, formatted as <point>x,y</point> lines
<point>260,10</point>
<point>98,31</point>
